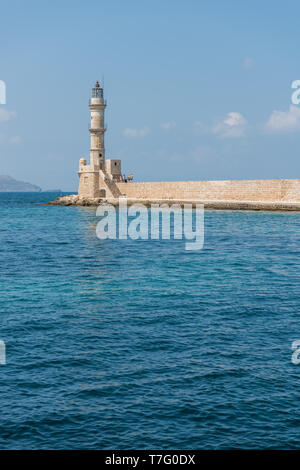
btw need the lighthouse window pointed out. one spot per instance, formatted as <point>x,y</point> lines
<point>115,163</point>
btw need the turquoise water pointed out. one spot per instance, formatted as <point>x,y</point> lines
<point>141,344</point>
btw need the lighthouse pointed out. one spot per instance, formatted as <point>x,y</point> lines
<point>97,130</point>
<point>98,178</point>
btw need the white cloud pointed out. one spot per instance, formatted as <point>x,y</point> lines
<point>136,133</point>
<point>284,121</point>
<point>15,139</point>
<point>166,126</point>
<point>248,63</point>
<point>201,128</point>
<point>234,125</point>
<point>6,115</point>
<point>176,157</point>
<point>203,153</point>
<point>10,140</point>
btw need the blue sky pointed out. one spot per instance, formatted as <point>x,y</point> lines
<point>195,89</point>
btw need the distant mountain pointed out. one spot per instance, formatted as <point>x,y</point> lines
<point>9,184</point>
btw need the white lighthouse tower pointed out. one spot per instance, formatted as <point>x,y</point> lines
<point>99,178</point>
<point>97,106</point>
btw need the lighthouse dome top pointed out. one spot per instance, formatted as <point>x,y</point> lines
<point>97,91</point>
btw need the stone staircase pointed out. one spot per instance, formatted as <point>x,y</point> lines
<point>111,185</point>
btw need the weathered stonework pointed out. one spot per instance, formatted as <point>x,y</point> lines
<point>231,190</point>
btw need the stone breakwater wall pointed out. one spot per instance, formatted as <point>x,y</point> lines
<point>224,195</point>
<point>260,191</point>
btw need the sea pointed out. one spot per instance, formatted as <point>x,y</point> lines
<point>141,344</point>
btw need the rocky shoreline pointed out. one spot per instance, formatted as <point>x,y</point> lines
<point>75,200</point>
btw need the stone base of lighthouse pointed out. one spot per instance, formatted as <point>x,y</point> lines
<point>99,183</point>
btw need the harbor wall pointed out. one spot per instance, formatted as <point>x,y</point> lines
<point>230,190</point>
